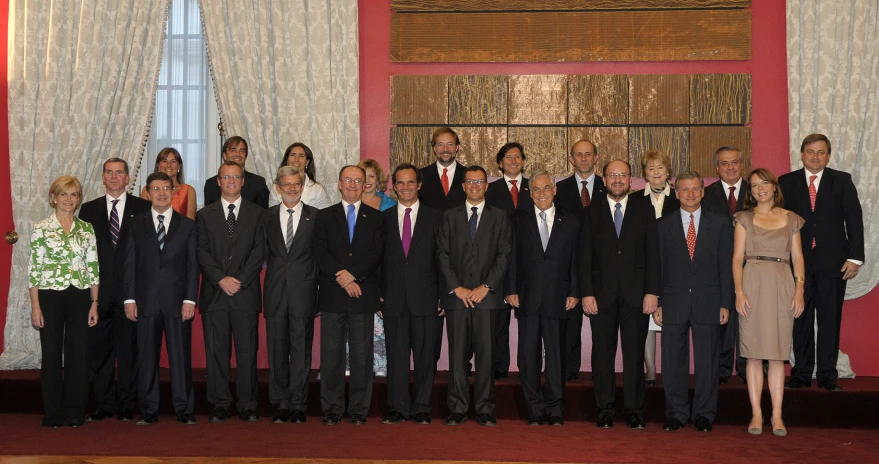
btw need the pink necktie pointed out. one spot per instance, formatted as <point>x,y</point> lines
<point>407,232</point>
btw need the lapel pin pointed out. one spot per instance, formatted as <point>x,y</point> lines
<point>307,219</point>
<point>363,215</point>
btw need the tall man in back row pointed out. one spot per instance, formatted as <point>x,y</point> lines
<point>235,149</point>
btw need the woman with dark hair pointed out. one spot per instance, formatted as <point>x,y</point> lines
<point>183,200</point>
<point>300,156</point>
<point>767,240</point>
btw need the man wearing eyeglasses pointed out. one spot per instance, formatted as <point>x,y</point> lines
<point>473,251</point>
<point>349,242</point>
<point>231,250</point>
<point>235,149</point>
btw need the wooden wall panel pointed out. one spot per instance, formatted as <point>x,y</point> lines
<point>704,141</point>
<point>419,100</point>
<point>598,99</point>
<point>673,141</point>
<point>612,142</point>
<point>659,99</point>
<point>545,148</point>
<point>478,99</point>
<point>538,100</point>
<point>636,35</point>
<point>410,145</point>
<point>720,99</point>
<point>558,5</point>
<point>479,145</point>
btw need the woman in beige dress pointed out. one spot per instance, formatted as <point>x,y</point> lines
<point>768,298</point>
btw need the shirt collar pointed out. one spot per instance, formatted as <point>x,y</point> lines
<point>737,185</point>
<point>809,174</point>
<point>167,214</point>
<point>110,198</point>
<point>685,216</point>
<point>237,204</point>
<point>518,179</point>
<point>401,209</point>
<point>589,180</point>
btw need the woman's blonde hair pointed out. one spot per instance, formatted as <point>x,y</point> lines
<point>63,184</point>
<point>381,183</point>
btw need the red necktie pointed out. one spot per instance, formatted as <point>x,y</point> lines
<point>515,193</point>
<point>732,201</point>
<point>691,237</point>
<point>584,194</point>
<point>445,181</point>
<point>813,194</point>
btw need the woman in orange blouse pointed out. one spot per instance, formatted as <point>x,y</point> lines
<point>183,200</point>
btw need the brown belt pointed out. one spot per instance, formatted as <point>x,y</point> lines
<point>767,258</point>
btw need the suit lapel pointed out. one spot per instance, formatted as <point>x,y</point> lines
<point>150,227</point>
<point>824,190</point>
<point>558,224</point>
<point>679,238</point>
<point>534,230</point>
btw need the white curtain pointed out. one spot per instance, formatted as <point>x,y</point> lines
<point>833,76</point>
<point>287,71</point>
<point>82,77</point>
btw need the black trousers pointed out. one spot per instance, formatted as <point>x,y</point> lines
<point>178,341</point>
<point>676,370</point>
<point>289,341</point>
<point>112,353</point>
<point>500,351</point>
<point>729,348</point>
<point>470,328</point>
<point>407,333</point>
<point>824,295</point>
<point>65,330</point>
<point>221,328</point>
<point>632,325</point>
<point>537,330</point>
<point>573,344</point>
<point>335,330</point>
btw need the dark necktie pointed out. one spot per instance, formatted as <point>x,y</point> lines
<point>407,232</point>
<point>290,212</point>
<point>515,193</point>
<point>584,194</point>
<point>114,224</point>
<point>732,201</point>
<point>230,220</point>
<point>474,220</point>
<point>160,231</point>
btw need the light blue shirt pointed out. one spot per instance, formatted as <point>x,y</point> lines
<point>685,219</point>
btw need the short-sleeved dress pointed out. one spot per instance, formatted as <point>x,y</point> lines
<point>767,331</point>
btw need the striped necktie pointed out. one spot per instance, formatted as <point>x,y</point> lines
<point>160,231</point>
<point>290,212</point>
<point>114,224</point>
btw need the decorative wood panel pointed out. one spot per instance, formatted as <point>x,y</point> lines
<point>612,142</point>
<point>673,141</point>
<point>598,99</point>
<point>478,99</point>
<point>410,145</point>
<point>479,145</point>
<point>659,99</point>
<point>419,99</point>
<point>559,5</point>
<point>720,99</point>
<point>538,99</point>
<point>545,147</point>
<point>705,140</point>
<point>636,35</point>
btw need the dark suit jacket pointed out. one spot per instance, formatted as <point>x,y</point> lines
<point>431,193</point>
<point>717,199</point>
<point>499,196</point>
<point>669,206</point>
<point>159,280</point>
<point>837,224</point>
<point>567,195</point>
<point>695,290</point>
<point>630,262</point>
<point>254,190</point>
<point>543,280</point>
<point>240,256</point>
<point>411,281</point>
<point>361,257</point>
<point>290,277</point>
<point>111,260</point>
<point>469,265</point>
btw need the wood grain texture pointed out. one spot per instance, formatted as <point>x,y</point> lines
<point>545,148</point>
<point>611,142</point>
<point>659,35</point>
<point>559,5</point>
<point>720,99</point>
<point>538,100</point>
<point>598,99</point>
<point>479,145</point>
<point>705,140</point>
<point>478,100</point>
<point>659,99</point>
<point>673,141</point>
<point>419,99</point>
<point>410,145</point>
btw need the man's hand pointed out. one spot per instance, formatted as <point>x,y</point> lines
<point>230,285</point>
<point>477,294</point>
<point>590,306</point>
<point>657,316</point>
<point>353,290</point>
<point>570,302</point>
<point>513,300</point>
<point>131,311</point>
<point>651,302</point>
<point>724,316</point>
<point>463,294</point>
<point>343,278</point>
<point>440,312</point>
<point>849,270</point>
<point>188,311</point>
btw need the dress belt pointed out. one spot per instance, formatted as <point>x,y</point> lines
<point>767,258</point>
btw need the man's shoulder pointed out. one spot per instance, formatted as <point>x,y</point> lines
<point>791,176</point>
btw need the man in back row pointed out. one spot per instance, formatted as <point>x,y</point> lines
<point>255,191</point>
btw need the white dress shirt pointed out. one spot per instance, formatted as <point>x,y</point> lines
<point>658,203</point>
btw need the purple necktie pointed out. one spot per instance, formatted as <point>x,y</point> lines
<point>407,232</point>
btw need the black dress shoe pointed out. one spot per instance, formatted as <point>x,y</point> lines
<point>52,424</point>
<point>672,424</point>
<point>534,420</point>
<point>501,375</point>
<point>248,416</point>
<point>297,417</point>
<point>702,424</point>
<point>555,421</point>
<point>74,425</point>
<point>125,415</point>
<point>605,421</point>
<point>281,416</point>
<point>723,381</point>
<point>422,418</point>
<point>486,420</point>
<point>651,382</point>
<point>219,414</point>
<point>358,419</point>
<point>186,419</point>
<point>571,376</point>
<point>393,417</point>
<point>456,419</point>
<point>796,382</point>
<point>99,414</point>
<point>635,421</point>
<point>332,419</point>
<point>831,387</point>
<point>147,419</point>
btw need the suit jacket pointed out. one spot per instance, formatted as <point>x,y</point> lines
<point>499,196</point>
<point>361,257</point>
<point>411,281</point>
<point>544,279</point>
<point>669,206</point>
<point>568,194</point>
<point>240,256</point>
<point>837,224</point>
<point>431,193</point>
<point>695,290</point>
<point>629,263</point>
<point>111,260</point>
<point>717,199</point>
<point>463,263</point>
<point>159,280</point>
<point>291,277</point>
<point>254,190</point>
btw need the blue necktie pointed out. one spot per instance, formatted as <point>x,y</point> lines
<point>474,220</point>
<point>352,218</point>
<point>618,218</point>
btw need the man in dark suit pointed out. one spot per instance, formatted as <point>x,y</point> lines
<point>619,282</point>
<point>473,250</point>
<point>574,194</point>
<point>441,185</point>
<point>114,339</point>
<point>349,242</point>
<point>542,282</point>
<point>231,250</point>
<point>410,292</point>
<point>509,193</point>
<point>833,251</point>
<point>290,296</point>
<point>695,250</point>
<point>727,197</point>
<point>160,288</point>
<point>254,190</point>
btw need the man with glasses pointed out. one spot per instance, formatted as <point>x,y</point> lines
<point>231,250</point>
<point>255,190</point>
<point>349,242</point>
